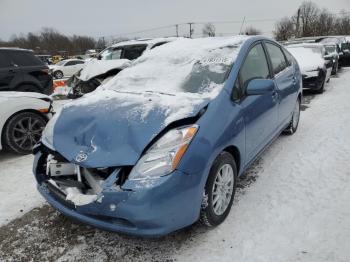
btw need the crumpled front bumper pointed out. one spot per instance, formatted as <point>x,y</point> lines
<point>149,209</point>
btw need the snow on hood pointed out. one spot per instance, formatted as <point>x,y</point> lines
<point>118,120</point>
<point>98,67</point>
<point>307,59</point>
<point>114,129</point>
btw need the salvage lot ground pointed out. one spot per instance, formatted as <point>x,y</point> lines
<point>292,205</point>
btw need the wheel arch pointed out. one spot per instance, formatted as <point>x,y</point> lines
<point>2,135</point>
<point>234,151</point>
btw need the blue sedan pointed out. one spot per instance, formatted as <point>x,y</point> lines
<point>162,144</point>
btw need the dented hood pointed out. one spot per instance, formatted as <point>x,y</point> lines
<point>114,128</point>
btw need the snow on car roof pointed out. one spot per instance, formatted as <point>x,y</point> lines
<point>147,41</point>
<point>307,59</point>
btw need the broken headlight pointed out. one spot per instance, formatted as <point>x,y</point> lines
<point>164,156</point>
<point>47,136</point>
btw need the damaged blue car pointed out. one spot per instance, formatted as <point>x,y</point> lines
<point>162,144</point>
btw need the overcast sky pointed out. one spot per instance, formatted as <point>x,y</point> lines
<point>107,17</point>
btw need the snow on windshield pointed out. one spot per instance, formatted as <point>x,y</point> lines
<point>307,59</point>
<point>175,79</point>
<point>187,66</point>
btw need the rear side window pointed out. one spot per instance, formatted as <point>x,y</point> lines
<point>23,58</point>
<point>277,58</point>
<point>70,63</point>
<point>4,60</point>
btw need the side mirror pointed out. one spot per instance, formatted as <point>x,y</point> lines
<point>99,57</point>
<point>260,87</point>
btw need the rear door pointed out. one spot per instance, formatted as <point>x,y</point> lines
<point>8,71</point>
<point>285,81</point>
<point>260,111</point>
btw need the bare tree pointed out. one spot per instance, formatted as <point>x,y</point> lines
<point>309,14</point>
<point>209,30</point>
<point>284,29</point>
<point>50,41</point>
<point>252,31</point>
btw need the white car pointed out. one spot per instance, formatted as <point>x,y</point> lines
<point>23,116</point>
<point>66,68</point>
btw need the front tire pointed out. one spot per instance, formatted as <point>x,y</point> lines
<point>23,131</point>
<point>219,190</point>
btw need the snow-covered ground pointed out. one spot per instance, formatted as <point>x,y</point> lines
<point>294,205</point>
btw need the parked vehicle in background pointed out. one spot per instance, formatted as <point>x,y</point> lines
<point>21,70</point>
<point>110,62</point>
<point>345,58</point>
<point>46,59</point>
<point>56,59</point>
<point>316,71</point>
<point>95,73</point>
<point>132,49</point>
<point>23,116</point>
<point>333,56</point>
<point>66,68</point>
<point>142,156</point>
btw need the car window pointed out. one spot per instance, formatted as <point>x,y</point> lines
<point>24,58</point>
<point>288,56</point>
<point>133,52</point>
<point>277,58</point>
<point>70,63</point>
<point>4,60</point>
<point>79,62</point>
<point>111,54</point>
<point>159,44</point>
<point>255,67</point>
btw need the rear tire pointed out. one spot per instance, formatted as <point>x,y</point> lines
<point>294,123</point>
<point>321,89</point>
<point>219,190</point>
<point>23,131</point>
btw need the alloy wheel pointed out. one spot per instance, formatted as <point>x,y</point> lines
<point>222,189</point>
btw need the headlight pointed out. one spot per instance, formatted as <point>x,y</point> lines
<point>47,137</point>
<point>164,156</point>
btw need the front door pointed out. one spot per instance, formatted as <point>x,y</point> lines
<point>260,111</point>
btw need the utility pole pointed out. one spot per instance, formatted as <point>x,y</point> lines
<point>240,30</point>
<point>191,30</point>
<point>177,30</point>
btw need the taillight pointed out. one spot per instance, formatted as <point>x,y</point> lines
<point>46,71</point>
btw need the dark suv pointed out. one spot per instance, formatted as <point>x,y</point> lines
<point>20,70</point>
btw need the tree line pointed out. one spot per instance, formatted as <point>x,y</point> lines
<point>50,41</point>
<point>310,20</point>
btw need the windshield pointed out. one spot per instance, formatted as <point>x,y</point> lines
<point>61,63</point>
<point>111,54</point>
<point>130,52</point>
<point>188,65</point>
